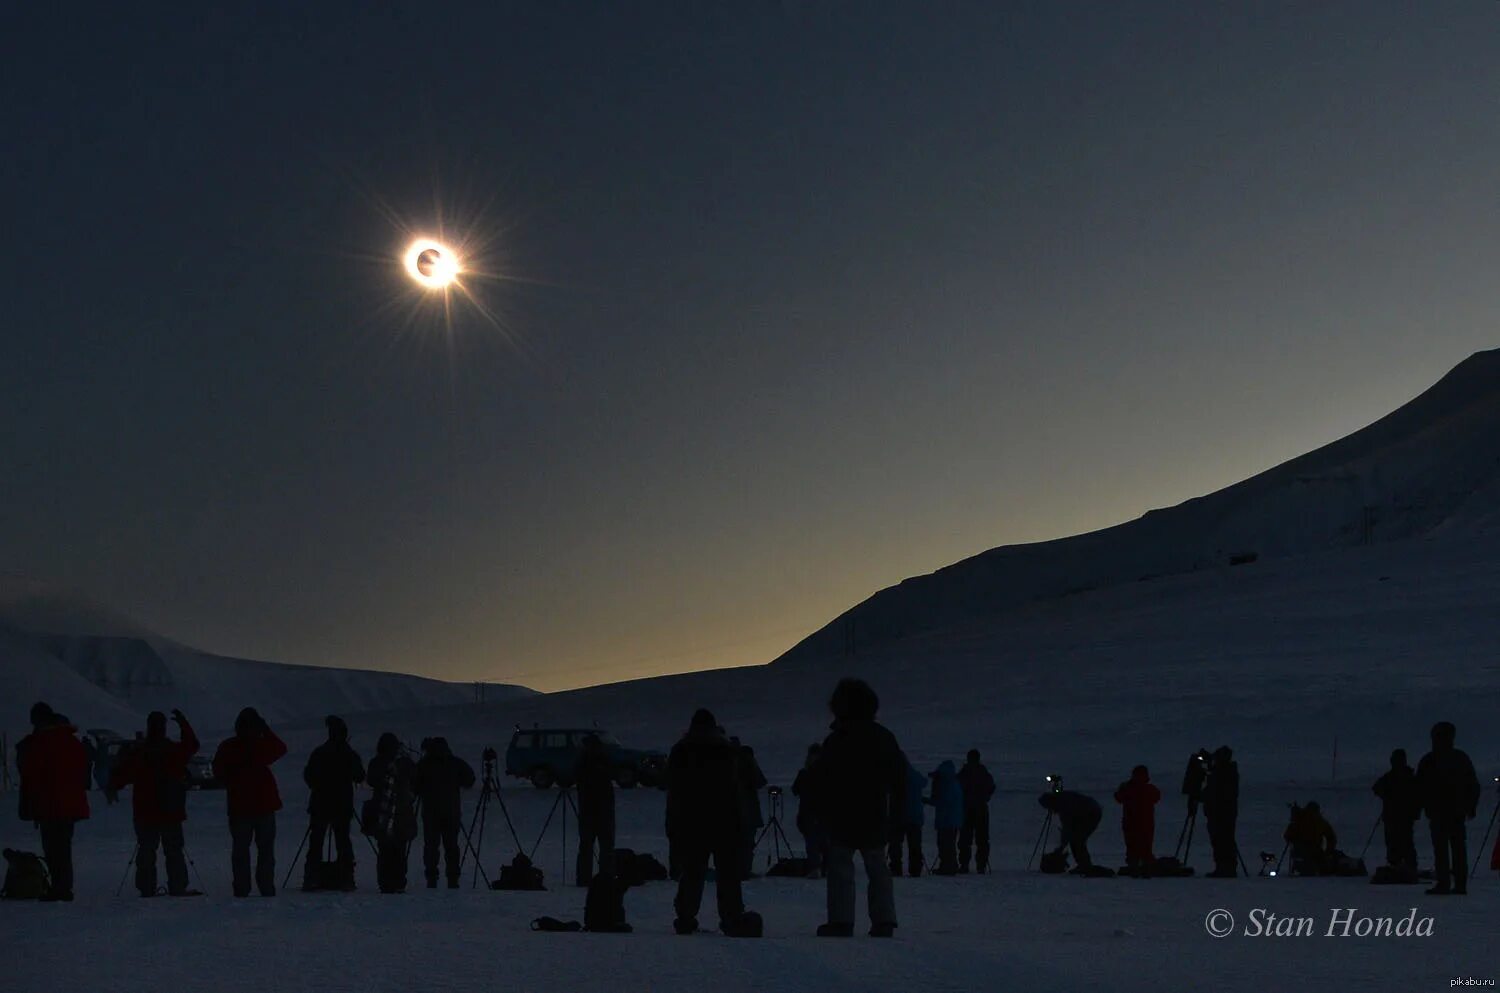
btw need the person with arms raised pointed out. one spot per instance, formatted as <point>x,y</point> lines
<point>243,764</point>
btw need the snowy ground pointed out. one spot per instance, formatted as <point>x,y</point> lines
<point>1010,929</point>
<point>1366,647</point>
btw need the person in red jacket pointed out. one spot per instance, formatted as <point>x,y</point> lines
<point>156,771</point>
<point>1138,798</point>
<point>243,765</point>
<point>53,763</point>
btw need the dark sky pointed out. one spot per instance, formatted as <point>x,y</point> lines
<point>800,300</point>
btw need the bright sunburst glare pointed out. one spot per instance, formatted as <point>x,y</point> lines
<point>432,264</point>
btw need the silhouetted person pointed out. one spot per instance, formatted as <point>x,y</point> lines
<point>908,816</point>
<point>596,809</point>
<point>1078,817</point>
<point>863,774</point>
<point>1449,790</point>
<point>1400,806</point>
<point>391,776</point>
<point>156,771</point>
<point>1138,798</point>
<point>705,806</point>
<point>1221,808</point>
<point>810,814</point>
<point>948,816</point>
<point>441,778</point>
<point>243,764</point>
<point>752,780</point>
<point>51,761</point>
<point>979,787</point>
<point>332,771</point>
<point>1314,843</point>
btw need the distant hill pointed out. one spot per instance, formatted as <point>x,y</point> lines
<point>1430,468</point>
<point>105,670</point>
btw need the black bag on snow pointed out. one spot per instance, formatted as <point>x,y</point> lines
<point>789,867</point>
<point>604,906</point>
<point>553,924</point>
<point>520,874</point>
<point>26,876</point>
<point>1094,872</point>
<point>649,868</point>
<point>1054,863</point>
<point>628,867</point>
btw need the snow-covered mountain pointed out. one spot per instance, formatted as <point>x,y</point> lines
<point>1430,468</point>
<point>105,670</point>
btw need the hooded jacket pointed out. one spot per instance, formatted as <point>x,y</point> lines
<point>947,798</point>
<point>54,768</point>
<point>862,774</point>
<point>441,777</point>
<point>704,796</point>
<point>332,771</point>
<point>913,810</point>
<point>156,772</point>
<point>978,785</point>
<point>1447,783</point>
<point>1138,798</point>
<point>243,764</point>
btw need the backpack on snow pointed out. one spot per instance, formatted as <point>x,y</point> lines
<point>1054,863</point>
<point>789,866</point>
<point>628,867</point>
<point>604,906</point>
<point>519,874</point>
<point>26,876</point>
<point>649,867</point>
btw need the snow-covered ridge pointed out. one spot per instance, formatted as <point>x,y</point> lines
<point>1431,467</point>
<point>102,669</point>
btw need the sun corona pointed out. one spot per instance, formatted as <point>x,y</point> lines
<point>431,264</point>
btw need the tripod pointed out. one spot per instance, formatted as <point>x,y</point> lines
<point>328,849</point>
<point>1371,839</point>
<point>564,793</point>
<point>1189,825</point>
<point>1485,840</point>
<point>1046,827</point>
<point>774,829</point>
<point>135,853</point>
<point>490,788</point>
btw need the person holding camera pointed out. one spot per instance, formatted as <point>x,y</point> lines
<point>243,764</point>
<point>979,787</point>
<point>332,771</point>
<point>438,781</point>
<point>1221,808</point>
<point>156,771</point>
<point>594,778</point>
<point>390,815</point>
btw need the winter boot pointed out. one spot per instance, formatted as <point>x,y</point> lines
<point>835,930</point>
<point>882,930</point>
